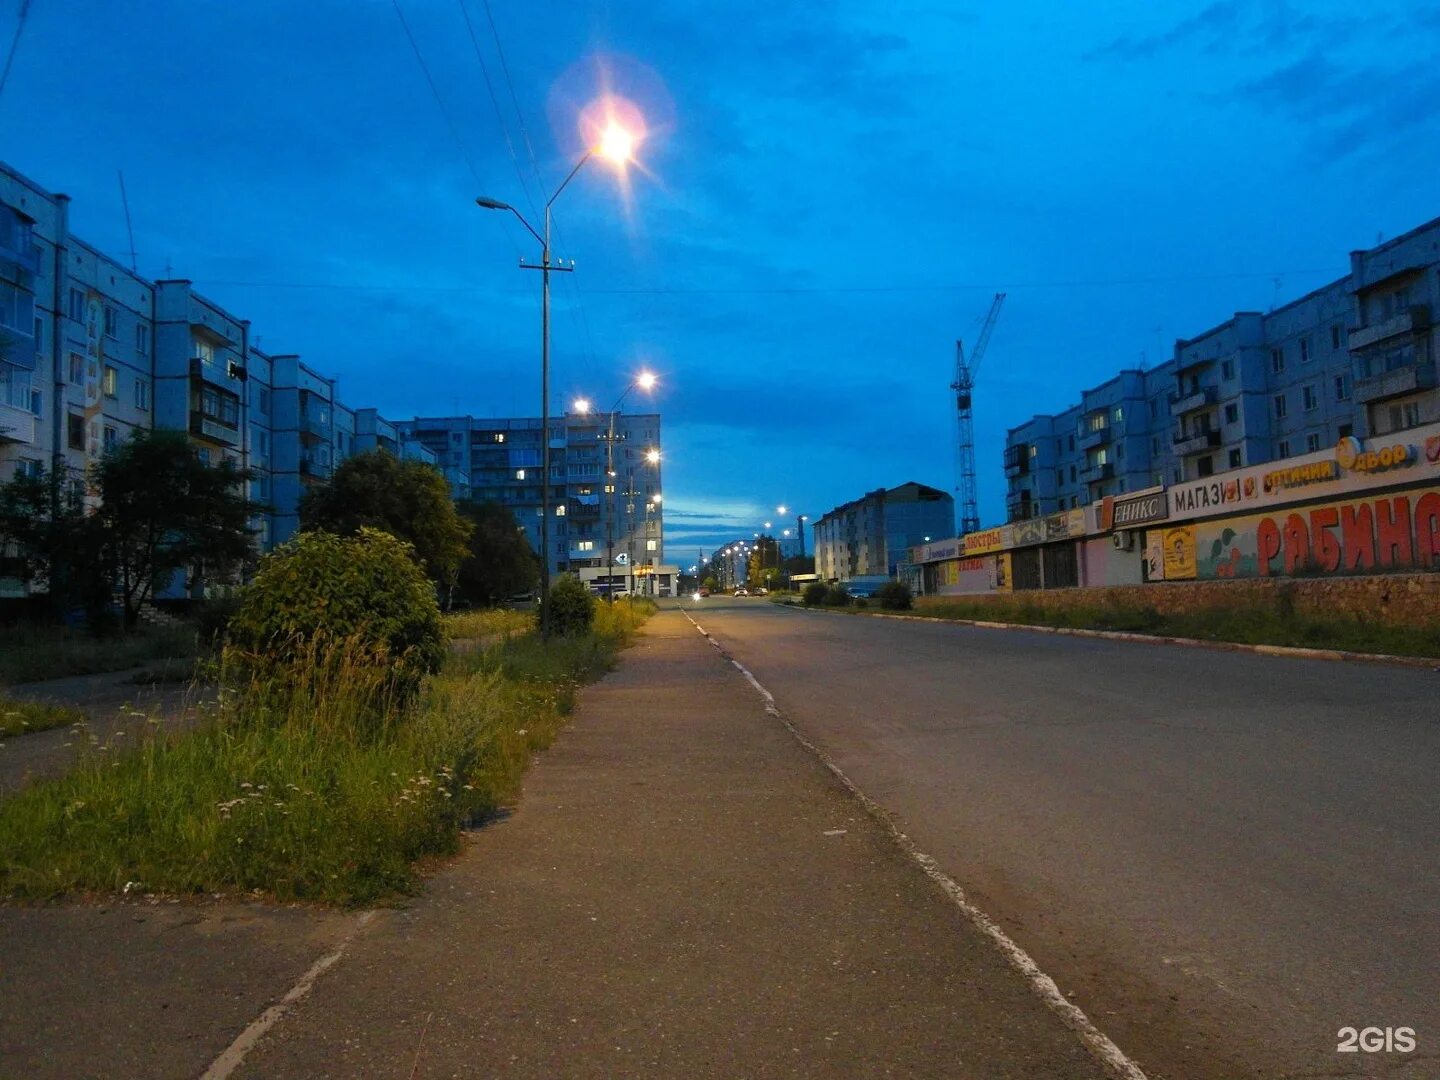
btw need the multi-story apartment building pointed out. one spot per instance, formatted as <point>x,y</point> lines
<point>1355,357</point>
<point>872,535</point>
<point>91,351</point>
<point>593,518</point>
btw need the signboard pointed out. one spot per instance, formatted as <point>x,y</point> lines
<point>934,552</point>
<point>1064,525</point>
<point>1375,534</point>
<point>1178,552</point>
<point>1351,467</point>
<point>1155,555</point>
<point>984,542</point>
<point>1141,510</point>
<point>1028,531</point>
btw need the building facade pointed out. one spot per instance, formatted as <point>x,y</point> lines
<point>91,351</point>
<point>1355,358</point>
<point>872,536</point>
<point>607,530</point>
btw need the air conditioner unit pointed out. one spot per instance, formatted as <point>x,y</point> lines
<point>1124,540</point>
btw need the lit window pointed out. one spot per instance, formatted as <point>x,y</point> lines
<point>112,381</point>
<point>652,545</point>
<point>519,474</point>
<point>560,510</point>
<point>586,545</point>
<point>499,436</point>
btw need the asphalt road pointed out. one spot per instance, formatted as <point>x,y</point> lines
<point>1224,858</point>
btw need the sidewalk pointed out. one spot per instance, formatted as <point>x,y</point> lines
<point>683,892</point>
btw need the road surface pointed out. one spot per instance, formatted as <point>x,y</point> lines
<point>1224,858</point>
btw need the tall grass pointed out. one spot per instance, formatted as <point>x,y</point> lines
<point>321,788</point>
<point>30,653</point>
<point>1252,625</point>
<point>20,717</point>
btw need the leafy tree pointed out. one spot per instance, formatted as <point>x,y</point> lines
<point>501,562</point>
<point>407,499</point>
<point>764,563</point>
<point>162,510</point>
<point>56,544</point>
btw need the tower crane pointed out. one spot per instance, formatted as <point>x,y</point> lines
<point>964,387</point>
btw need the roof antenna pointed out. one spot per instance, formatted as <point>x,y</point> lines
<point>125,202</point>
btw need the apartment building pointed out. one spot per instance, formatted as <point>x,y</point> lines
<point>90,351</point>
<point>1356,357</point>
<point>592,519</point>
<point>872,535</point>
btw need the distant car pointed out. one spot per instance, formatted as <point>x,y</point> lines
<point>742,591</point>
<point>696,595</point>
<point>759,590</point>
<point>703,592</point>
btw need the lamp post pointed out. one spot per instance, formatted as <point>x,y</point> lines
<point>617,145</point>
<point>645,381</point>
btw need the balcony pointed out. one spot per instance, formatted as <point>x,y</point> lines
<point>21,253</point>
<point>1017,509</point>
<point>16,424</point>
<point>1402,380</point>
<point>1410,321</point>
<point>1094,474</point>
<point>1201,399</point>
<point>1091,439</point>
<point>1017,460</point>
<point>312,468</point>
<point>216,432</point>
<point>225,374</point>
<point>315,426</point>
<point>1195,442</point>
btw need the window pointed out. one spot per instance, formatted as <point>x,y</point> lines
<point>499,436</point>
<point>1034,450</point>
<point>112,381</point>
<point>1284,448</point>
<point>1335,336</point>
<point>585,545</point>
<point>262,401</point>
<point>1309,398</point>
<point>1072,442</point>
<point>652,545</point>
<point>142,395</point>
<point>1118,415</point>
<point>37,400</point>
<point>39,335</point>
<point>1312,443</point>
<point>1154,409</point>
<point>1234,459</point>
<point>77,368</point>
<point>1232,413</point>
<point>77,305</point>
<point>1096,421</point>
<point>1412,414</point>
<point>1346,430</point>
<point>1342,387</point>
<point>1205,466</point>
<point>1305,354</point>
<point>112,321</point>
<point>142,339</point>
<point>204,352</point>
<point>111,438</point>
<point>1280,407</point>
<point>1227,369</point>
<point>222,407</point>
<point>17,309</point>
<point>519,474</point>
<point>1277,360</point>
<point>28,467</point>
<point>1059,477</point>
<point>75,431</point>
<point>1073,474</point>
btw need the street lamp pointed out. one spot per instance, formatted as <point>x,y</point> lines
<point>616,145</point>
<point>645,381</point>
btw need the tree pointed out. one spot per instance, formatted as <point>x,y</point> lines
<point>162,510</point>
<point>764,563</point>
<point>408,499</point>
<point>501,562</point>
<point>56,544</point>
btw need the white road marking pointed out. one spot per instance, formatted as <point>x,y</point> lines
<point>1095,1040</point>
<point>235,1053</point>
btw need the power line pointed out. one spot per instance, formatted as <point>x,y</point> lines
<point>14,44</point>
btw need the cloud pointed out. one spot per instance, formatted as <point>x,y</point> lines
<point>1206,29</point>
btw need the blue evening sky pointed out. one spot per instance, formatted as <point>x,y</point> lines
<point>831,194</point>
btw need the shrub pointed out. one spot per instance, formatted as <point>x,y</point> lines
<point>814,594</point>
<point>836,596</point>
<point>895,596</point>
<point>212,618</point>
<point>572,608</point>
<point>364,595</point>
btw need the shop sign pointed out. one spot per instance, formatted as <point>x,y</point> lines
<point>1352,456</point>
<point>1376,534</point>
<point>1178,552</point>
<point>1028,531</point>
<point>1297,476</point>
<point>941,549</point>
<point>983,542</point>
<point>1140,510</point>
<point>1064,525</point>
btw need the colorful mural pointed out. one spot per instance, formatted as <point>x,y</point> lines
<point>1360,536</point>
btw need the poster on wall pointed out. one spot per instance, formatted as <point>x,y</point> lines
<point>1155,555</point>
<point>1178,556</point>
<point>1002,572</point>
<point>1359,536</point>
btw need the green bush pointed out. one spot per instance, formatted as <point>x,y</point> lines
<point>572,607</point>
<point>895,596</point>
<point>814,594</point>
<point>836,596</point>
<point>362,595</point>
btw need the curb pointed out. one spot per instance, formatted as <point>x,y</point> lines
<point>1293,652</point>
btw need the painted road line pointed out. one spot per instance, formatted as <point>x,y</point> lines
<point>1073,1017</point>
<point>235,1053</point>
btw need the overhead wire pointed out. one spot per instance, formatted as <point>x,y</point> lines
<point>14,45</point>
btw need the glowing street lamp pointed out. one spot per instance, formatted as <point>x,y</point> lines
<point>616,144</point>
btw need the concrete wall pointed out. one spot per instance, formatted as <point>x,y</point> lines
<point>1399,599</point>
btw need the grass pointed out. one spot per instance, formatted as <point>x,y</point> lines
<point>22,717</point>
<point>1251,625</point>
<point>330,791</point>
<point>489,624</point>
<point>30,653</point>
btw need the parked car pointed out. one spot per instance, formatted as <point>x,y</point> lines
<point>759,590</point>
<point>703,592</point>
<point>742,591</point>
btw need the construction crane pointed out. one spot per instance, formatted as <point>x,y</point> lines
<point>964,387</point>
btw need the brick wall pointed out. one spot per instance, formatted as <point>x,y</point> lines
<point>1401,599</point>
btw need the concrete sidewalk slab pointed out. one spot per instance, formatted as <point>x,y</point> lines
<point>685,892</point>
